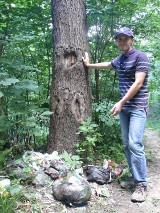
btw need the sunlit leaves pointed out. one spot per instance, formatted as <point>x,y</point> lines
<point>46,113</point>
<point>9,81</point>
<point>1,94</point>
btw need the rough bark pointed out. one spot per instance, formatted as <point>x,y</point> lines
<point>70,90</point>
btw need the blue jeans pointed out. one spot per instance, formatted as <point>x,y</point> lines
<point>132,128</point>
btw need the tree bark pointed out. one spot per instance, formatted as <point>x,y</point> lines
<point>70,89</point>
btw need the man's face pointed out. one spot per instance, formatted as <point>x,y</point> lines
<point>124,43</point>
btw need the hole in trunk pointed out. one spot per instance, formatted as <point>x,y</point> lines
<point>70,59</point>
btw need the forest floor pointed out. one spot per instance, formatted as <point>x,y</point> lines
<point>118,199</point>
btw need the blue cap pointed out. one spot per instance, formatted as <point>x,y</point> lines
<point>124,31</point>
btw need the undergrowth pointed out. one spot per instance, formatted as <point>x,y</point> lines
<point>153,121</point>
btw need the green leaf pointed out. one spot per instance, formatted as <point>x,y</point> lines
<point>75,157</point>
<point>14,190</point>
<point>9,81</point>
<point>46,113</point>
<point>1,94</point>
<point>94,125</point>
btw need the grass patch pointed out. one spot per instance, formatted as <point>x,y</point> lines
<point>8,203</point>
<point>153,121</point>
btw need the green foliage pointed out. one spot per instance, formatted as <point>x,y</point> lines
<point>12,199</point>
<point>153,120</point>
<point>8,205</point>
<point>9,197</point>
<point>25,50</point>
<point>100,141</point>
<point>27,124</point>
<point>109,127</point>
<point>126,174</point>
<point>72,161</point>
<point>9,81</point>
<point>4,155</point>
<point>90,134</point>
<point>149,155</point>
<point>112,151</point>
<point>107,123</point>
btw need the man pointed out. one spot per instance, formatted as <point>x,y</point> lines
<point>132,68</point>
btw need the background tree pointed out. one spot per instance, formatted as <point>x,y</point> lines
<point>70,91</point>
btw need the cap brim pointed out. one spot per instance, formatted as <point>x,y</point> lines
<point>116,36</point>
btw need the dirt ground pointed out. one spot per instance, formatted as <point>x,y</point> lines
<point>117,199</point>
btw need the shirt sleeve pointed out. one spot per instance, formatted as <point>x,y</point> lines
<point>142,63</point>
<point>114,63</point>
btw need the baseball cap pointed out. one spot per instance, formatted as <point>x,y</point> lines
<point>125,31</point>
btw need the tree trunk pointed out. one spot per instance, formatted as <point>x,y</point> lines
<point>70,89</point>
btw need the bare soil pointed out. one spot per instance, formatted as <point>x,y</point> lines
<point>118,199</point>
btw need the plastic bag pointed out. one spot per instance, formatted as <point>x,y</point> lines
<point>99,174</point>
<point>73,190</point>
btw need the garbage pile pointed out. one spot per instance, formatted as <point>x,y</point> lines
<point>68,186</point>
<point>104,174</point>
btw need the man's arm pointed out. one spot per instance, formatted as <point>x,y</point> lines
<point>139,79</point>
<point>102,65</point>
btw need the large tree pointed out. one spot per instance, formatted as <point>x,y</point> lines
<point>70,89</point>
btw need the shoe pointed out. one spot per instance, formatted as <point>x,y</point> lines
<point>128,184</point>
<point>140,193</point>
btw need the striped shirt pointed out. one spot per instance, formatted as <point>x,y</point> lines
<point>126,66</point>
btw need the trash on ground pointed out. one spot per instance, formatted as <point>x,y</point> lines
<point>69,186</point>
<point>103,174</point>
<point>72,190</point>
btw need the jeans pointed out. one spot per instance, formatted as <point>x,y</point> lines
<point>132,128</point>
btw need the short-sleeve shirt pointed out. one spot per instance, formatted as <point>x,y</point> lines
<point>126,66</point>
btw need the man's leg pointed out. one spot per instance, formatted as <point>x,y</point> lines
<point>136,147</point>
<point>125,123</point>
<point>138,160</point>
